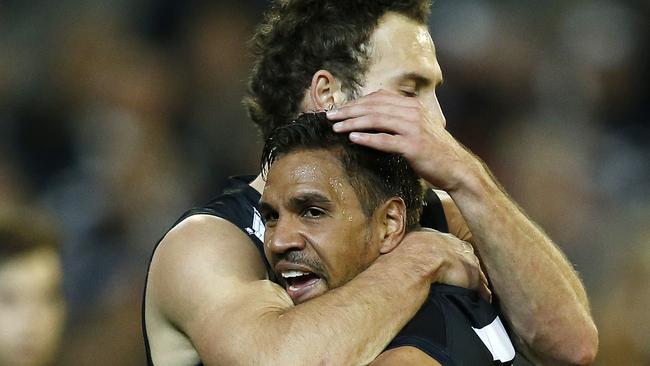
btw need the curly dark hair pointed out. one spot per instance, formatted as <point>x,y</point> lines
<point>299,37</point>
<point>375,176</point>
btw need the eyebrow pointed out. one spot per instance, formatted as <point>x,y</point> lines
<point>308,198</point>
<point>265,207</point>
<point>298,202</point>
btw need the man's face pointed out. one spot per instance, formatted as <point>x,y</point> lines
<point>404,61</point>
<point>317,236</point>
<point>31,308</point>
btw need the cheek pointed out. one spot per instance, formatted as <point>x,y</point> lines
<point>345,253</point>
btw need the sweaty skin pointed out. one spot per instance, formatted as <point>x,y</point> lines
<point>208,297</point>
<point>301,207</point>
<point>307,227</point>
<point>540,293</point>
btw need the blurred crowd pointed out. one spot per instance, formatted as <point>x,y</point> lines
<point>116,116</point>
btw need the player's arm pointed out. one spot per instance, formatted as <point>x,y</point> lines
<point>545,302</point>
<point>455,221</point>
<point>206,279</point>
<point>404,356</point>
<point>540,293</point>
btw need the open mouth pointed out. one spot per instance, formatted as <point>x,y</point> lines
<point>299,284</point>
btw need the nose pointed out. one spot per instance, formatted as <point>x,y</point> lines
<point>284,237</point>
<point>438,116</point>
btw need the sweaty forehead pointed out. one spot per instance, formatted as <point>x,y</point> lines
<point>402,34</point>
<point>307,166</point>
<point>403,45</point>
<point>312,169</point>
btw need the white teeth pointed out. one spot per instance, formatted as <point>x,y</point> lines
<point>291,274</point>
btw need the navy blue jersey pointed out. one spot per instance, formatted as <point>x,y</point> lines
<point>437,328</point>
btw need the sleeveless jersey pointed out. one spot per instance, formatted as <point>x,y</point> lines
<point>444,327</point>
<point>237,204</point>
<point>455,326</point>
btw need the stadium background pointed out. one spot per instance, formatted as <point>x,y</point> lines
<point>117,115</point>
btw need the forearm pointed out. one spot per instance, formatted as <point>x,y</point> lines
<point>349,325</point>
<point>540,293</point>
<point>360,318</point>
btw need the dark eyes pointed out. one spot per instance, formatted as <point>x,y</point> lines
<point>313,212</point>
<point>269,217</point>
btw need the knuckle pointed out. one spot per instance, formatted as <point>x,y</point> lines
<point>450,237</point>
<point>412,113</point>
<point>378,117</point>
<point>385,138</point>
<point>414,103</point>
<point>375,101</point>
<point>360,122</point>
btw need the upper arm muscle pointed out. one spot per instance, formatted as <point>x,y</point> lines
<point>209,281</point>
<point>404,356</point>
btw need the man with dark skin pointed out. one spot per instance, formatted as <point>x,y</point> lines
<point>331,208</point>
<point>208,298</point>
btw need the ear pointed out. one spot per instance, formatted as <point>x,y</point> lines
<point>393,224</point>
<point>324,92</point>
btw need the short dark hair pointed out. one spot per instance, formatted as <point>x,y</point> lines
<point>299,37</point>
<point>374,175</point>
<point>23,231</point>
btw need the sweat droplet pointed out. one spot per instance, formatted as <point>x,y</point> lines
<point>337,186</point>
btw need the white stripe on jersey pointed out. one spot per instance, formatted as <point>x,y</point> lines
<point>496,339</point>
<point>257,227</point>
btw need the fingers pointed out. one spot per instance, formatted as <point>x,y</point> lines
<point>484,288</point>
<point>476,277</point>
<point>485,293</point>
<point>381,101</point>
<point>379,141</point>
<point>453,261</point>
<point>464,269</point>
<point>465,247</point>
<point>375,122</point>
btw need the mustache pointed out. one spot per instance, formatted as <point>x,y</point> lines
<point>299,257</point>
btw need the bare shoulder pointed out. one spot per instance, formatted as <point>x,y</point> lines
<point>455,220</point>
<point>404,356</point>
<point>192,258</point>
<point>207,293</point>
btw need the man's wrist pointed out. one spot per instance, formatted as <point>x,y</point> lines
<point>471,178</point>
